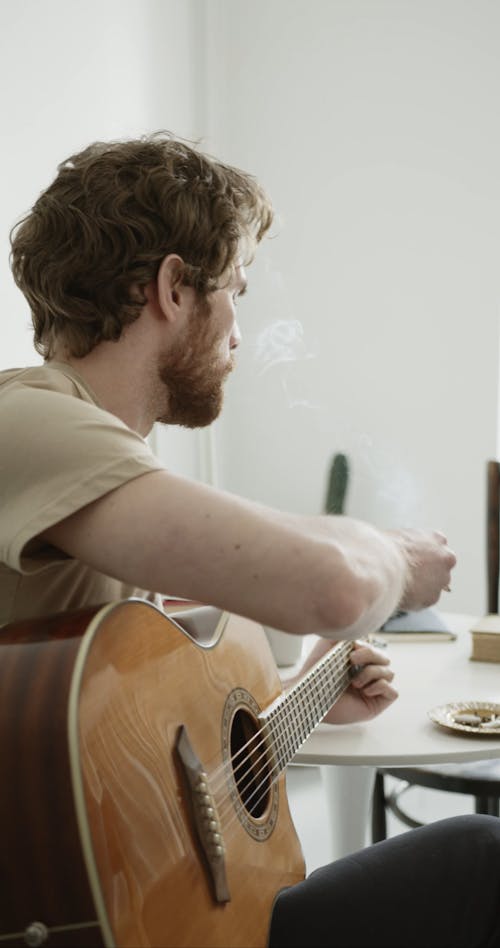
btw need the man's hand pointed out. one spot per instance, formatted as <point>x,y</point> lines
<point>430,562</point>
<point>370,691</point>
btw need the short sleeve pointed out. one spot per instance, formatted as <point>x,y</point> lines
<point>58,453</point>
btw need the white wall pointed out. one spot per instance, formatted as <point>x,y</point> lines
<point>372,321</point>
<point>71,72</point>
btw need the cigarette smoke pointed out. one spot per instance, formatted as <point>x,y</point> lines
<point>383,486</point>
<point>282,341</point>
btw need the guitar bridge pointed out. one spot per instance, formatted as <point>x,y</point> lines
<point>205,816</point>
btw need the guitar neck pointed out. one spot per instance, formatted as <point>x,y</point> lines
<point>290,719</point>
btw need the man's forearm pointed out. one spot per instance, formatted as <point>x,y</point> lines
<point>327,575</point>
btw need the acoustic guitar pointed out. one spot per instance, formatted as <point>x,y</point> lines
<point>142,795</point>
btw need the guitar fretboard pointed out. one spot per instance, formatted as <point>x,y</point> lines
<point>290,719</point>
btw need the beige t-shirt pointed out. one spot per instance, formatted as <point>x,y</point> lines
<point>58,452</point>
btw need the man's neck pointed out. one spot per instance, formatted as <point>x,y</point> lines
<point>123,378</point>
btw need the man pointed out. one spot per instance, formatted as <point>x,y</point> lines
<point>132,262</point>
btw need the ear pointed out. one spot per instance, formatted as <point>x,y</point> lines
<point>174,297</point>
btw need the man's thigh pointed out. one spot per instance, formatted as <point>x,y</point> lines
<point>434,887</point>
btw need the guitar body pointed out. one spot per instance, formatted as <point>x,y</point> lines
<point>102,710</point>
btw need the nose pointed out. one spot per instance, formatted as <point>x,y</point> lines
<point>235,338</point>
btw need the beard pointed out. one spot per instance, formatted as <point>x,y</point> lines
<point>192,374</point>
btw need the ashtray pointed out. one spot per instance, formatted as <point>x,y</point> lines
<point>469,717</point>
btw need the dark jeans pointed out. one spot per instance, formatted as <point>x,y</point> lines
<point>434,887</point>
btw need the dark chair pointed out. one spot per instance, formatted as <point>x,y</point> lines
<point>479,779</point>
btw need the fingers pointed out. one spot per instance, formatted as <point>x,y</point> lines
<point>431,562</point>
<point>365,654</point>
<point>380,689</point>
<point>373,675</point>
<point>449,563</point>
<point>450,559</point>
<point>440,537</point>
<point>375,682</point>
<point>369,675</point>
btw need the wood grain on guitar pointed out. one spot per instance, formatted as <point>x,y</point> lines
<point>103,843</point>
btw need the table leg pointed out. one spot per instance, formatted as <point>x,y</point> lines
<point>349,797</point>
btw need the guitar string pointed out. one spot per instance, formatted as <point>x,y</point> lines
<point>323,668</point>
<point>238,806</point>
<point>326,664</point>
<point>296,714</point>
<point>288,711</point>
<point>268,781</point>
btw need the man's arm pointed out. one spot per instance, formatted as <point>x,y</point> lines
<point>332,576</point>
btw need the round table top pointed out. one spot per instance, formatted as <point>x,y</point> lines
<point>427,675</point>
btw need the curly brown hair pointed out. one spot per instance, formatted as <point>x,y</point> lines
<point>95,238</point>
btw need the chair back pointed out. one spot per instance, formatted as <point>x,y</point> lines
<point>492,533</point>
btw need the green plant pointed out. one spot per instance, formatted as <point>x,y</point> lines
<point>337,484</point>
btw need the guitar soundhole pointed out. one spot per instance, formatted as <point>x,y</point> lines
<point>251,783</point>
<point>250,766</point>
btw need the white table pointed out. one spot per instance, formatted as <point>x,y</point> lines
<point>426,675</point>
